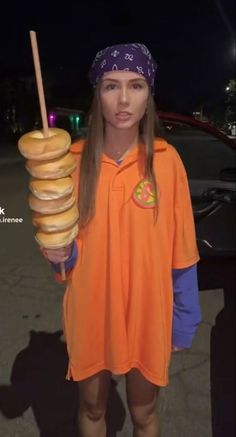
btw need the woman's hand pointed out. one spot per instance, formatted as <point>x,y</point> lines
<point>57,255</point>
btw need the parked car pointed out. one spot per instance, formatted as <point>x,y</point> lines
<point>209,157</point>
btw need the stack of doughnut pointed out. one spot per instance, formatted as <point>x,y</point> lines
<point>51,198</point>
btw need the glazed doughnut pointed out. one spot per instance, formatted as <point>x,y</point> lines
<point>53,206</point>
<point>55,240</point>
<point>53,168</point>
<point>56,222</point>
<point>33,145</point>
<point>51,189</point>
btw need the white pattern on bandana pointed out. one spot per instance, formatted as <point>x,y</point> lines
<point>99,54</point>
<point>129,57</point>
<point>144,50</point>
<point>103,63</point>
<point>140,70</point>
<point>115,53</point>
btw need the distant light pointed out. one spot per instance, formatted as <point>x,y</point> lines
<point>74,121</point>
<point>197,115</point>
<point>227,88</point>
<point>77,120</point>
<point>52,119</point>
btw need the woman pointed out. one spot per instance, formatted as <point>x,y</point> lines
<point>136,240</point>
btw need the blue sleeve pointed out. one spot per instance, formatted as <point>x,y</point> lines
<point>186,312</point>
<point>69,263</point>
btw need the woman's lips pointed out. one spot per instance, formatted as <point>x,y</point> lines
<point>123,115</point>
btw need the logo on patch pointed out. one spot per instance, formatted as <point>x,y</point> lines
<point>144,195</point>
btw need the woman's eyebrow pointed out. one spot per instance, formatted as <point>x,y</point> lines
<point>116,80</point>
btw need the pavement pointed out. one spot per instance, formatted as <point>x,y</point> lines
<point>35,399</point>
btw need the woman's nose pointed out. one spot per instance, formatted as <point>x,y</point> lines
<point>123,97</point>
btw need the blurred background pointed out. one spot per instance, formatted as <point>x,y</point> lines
<point>193,44</point>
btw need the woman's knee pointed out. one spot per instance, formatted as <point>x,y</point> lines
<point>93,395</point>
<point>142,415</point>
<point>141,398</point>
<point>92,412</point>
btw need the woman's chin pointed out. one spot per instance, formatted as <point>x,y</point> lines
<point>121,125</point>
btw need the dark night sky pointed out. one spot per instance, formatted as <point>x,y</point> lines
<point>193,43</point>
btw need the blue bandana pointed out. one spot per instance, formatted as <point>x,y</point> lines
<point>127,57</point>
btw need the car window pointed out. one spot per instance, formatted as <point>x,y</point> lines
<point>204,155</point>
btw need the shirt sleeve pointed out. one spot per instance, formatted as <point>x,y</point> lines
<point>186,311</point>
<point>185,251</point>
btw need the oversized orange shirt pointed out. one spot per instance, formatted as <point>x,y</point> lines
<point>118,304</point>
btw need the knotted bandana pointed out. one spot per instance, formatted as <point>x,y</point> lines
<point>127,57</point>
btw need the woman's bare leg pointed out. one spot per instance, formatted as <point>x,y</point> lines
<point>142,402</point>
<point>93,396</point>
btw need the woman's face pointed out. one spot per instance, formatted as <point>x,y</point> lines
<point>123,96</point>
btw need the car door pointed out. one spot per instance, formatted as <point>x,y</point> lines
<point>210,166</point>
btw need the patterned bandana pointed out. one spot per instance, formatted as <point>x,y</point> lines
<point>127,57</point>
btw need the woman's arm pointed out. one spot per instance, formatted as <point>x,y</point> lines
<point>186,311</point>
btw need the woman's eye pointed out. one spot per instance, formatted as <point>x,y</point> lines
<point>110,86</point>
<point>137,86</point>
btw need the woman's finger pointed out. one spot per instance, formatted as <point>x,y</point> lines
<point>57,255</point>
<point>57,258</point>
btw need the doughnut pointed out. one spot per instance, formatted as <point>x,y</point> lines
<point>56,222</point>
<point>55,240</point>
<point>51,189</point>
<point>33,145</point>
<point>53,206</point>
<point>53,168</point>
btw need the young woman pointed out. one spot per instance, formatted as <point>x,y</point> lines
<point>132,294</point>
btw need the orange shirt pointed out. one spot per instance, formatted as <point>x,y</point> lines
<point>118,305</point>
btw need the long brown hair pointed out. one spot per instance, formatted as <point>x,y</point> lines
<point>93,148</point>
